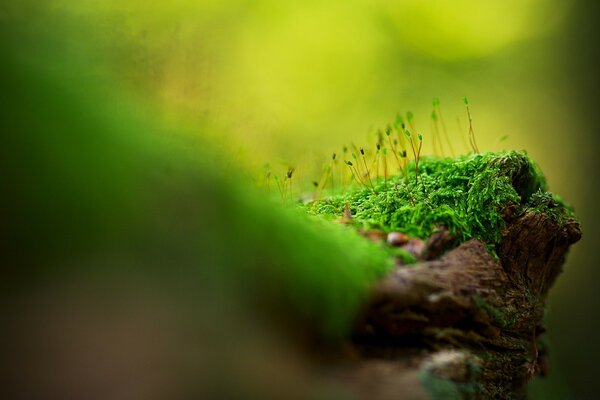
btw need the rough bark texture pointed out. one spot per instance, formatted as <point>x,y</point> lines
<point>467,324</point>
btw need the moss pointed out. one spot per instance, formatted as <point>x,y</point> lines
<point>551,205</point>
<point>498,373</point>
<point>439,388</point>
<point>466,194</point>
<point>501,318</point>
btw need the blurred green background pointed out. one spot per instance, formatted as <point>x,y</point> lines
<point>290,82</point>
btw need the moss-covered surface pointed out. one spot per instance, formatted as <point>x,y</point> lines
<point>445,389</point>
<point>451,375</point>
<point>468,195</point>
<point>502,318</point>
<point>98,190</point>
<point>551,205</point>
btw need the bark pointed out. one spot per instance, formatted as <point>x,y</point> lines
<point>467,324</point>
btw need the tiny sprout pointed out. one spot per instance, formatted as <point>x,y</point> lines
<point>402,154</point>
<point>403,126</point>
<point>378,147</point>
<point>384,151</point>
<point>420,137</point>
<point>345,148</point>
<point>440,118</point>
<point>354,156</point>
<point>315,184</point>
<point>362,153</point>
<point>290,172</point>
<point>395,142</point>
<point>355,172</point>
<point>471,132</point>
<point>407,133</point>
<point>409,116</point>
<point>399,120</point>
<point>330,171</point>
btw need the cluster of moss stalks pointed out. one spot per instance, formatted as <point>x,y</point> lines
<point>466,195</point>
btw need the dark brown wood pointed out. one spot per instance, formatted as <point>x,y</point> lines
<point>465,325</point>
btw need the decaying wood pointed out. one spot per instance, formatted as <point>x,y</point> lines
<point>467,324</point>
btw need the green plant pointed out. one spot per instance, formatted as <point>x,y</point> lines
<point>355,173</point>
<point>465,194</point>
<point>416,152</point>
<point>285,184</point>
<point>472,141</point>
<point>438,113</point>
<point>393,146</point>
<point>333,162</point>
<point>368,174</point>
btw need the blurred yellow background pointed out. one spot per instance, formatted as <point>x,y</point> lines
<point>289,82</point>
<point>283,78</point>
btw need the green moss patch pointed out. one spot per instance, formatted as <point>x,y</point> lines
<point>466,194</point>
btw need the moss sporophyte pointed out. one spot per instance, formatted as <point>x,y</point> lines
<point>417,194</point>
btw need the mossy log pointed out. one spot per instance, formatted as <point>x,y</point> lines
<point>106,206</point>
<point>467,325</point>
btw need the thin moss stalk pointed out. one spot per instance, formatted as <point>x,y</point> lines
<point>472,140</point>
<point>438,109</point>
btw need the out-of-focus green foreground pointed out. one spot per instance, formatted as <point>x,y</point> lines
<point>289,83</point>
<point>130,250</point>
